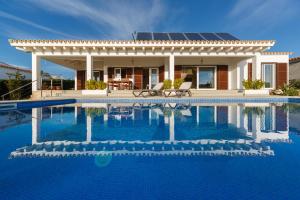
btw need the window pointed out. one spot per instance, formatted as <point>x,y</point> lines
<point>268,75</point>
<point>206,77</point>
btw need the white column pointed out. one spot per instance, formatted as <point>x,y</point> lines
<point>75,81</point>
<point>89,67</point>
<point>256,67</point>
<point>88,128</point>
<point>166,63</point>
<point>240,76</point>
<point>105,74</point>
<point>36,72</point>
<point>36,124</point>
<point>172,67</point>
<point>229,77</point>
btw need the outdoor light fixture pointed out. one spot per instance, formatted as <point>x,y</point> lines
<point>201,61</point>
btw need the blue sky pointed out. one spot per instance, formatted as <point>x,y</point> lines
<point>103,19</point>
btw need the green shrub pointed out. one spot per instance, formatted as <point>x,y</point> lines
<point>289,90</point>
<point>14,82</point>
<point>177,83</point>
<point>167,84</point>
<point>95,112</point>
<point>253,110</point>
<point>95,85</point>
<point>253,84</point>
<point>101,85</point>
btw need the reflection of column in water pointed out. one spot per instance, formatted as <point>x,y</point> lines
<point>274,117</point>
<point>88,128</point>
<point>36,124</point>
<point>171,127</point>
<point>150,116</point>
<point>51,112</point>
<point>256,125</point>
<point>166,119</point>
<point>75,113</point>
<point>239,114</point>
<point>105,118</point>
<point>197,115</point>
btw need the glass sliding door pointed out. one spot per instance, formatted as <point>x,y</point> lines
<point>206,78</point>
<point>268,75</point>
<point>153,77</point>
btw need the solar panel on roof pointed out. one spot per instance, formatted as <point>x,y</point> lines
<point>177,36</point>
<point>226,36</point>
<point>210,36</point>
<point>144,36</point>
<point>194,36</point>
<point>184,36</point>
<point>160,36</point>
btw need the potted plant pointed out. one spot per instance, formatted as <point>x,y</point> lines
<point>254,87</point>
<point>95,88</point>
<point>177,83</point>
<point>167,84</point>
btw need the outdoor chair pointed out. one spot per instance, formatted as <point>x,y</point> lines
<point>183,89</point>
<point>155,91</point>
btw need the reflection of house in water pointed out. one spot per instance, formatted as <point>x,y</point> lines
<point>171,129</point>
<point>13,118</point>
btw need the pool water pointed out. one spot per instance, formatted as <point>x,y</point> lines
<point>151,151</point>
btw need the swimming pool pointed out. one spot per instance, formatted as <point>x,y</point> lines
<point>151,150</point>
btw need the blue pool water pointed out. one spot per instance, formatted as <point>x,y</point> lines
<point>151,151</point>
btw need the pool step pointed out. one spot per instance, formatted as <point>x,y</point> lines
<point>8,106</point>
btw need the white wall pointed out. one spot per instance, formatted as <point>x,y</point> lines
<point>242,66</point>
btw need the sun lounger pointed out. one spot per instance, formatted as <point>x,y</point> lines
<point>183,89</point>
<point>156,90</point>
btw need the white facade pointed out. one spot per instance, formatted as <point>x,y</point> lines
<point>91,55</point>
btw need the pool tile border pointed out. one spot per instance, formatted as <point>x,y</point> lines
<point>41,103</point>
<point>192,100</point>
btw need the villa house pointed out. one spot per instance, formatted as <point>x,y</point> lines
<point>6,69</point>
<point>211,61</point>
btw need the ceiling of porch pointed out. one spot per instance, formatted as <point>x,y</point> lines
<point>79,63</point>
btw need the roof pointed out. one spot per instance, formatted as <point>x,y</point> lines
<point>184,36</point>
<point>8,66</point>
<point>294,60</point>
<point>277,53</point>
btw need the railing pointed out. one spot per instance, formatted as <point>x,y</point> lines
<point>18,89</point>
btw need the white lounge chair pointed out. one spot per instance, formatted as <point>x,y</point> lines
<point>156,90</point>
<point>183,89</point>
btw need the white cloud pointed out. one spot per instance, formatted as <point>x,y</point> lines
<point>30,23</point>
<point>112,18</point>
<point>260,15</point>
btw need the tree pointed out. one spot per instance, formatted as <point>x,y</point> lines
<point>15,81</point>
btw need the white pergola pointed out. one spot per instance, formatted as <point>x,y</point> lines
<point>52,50</point>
